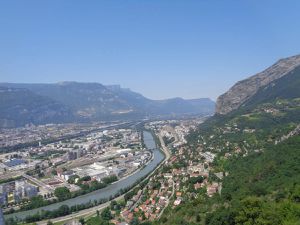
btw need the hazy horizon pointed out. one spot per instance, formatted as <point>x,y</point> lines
<point>162,50</point>
<point>71,81</point>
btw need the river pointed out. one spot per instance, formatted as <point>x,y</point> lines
<point>110,190</point>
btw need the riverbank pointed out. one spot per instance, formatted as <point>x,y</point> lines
<point>93,211</point>
<point>107,192</point>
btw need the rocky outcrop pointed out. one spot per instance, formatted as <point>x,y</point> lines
<point>245,89</point>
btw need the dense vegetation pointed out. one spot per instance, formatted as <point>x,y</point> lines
<point>262,162</point>
<point>262,188</point>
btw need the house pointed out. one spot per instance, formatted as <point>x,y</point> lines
<point>177,202</point>
<point>212,189</point>
<point>178,194</point>
<point>168,175</point>
<point>123,223</point>
<point>129,204</point>
<point>125,213</point>
<point>73,222</point>
<point>130,216</point>
<point>197,186</point>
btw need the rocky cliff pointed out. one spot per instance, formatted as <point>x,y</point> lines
<point>245,89</point>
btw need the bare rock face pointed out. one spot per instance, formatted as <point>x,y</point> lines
<point>245,89</point>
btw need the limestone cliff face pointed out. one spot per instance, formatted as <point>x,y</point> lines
<point>245,89</point>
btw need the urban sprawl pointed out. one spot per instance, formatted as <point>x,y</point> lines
<point>91,157</point>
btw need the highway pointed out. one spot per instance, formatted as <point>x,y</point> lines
<point>82,213</point>
<point>164,147</point>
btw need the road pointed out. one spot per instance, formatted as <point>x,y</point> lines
<point>168,202</point>
<point>164,147</point>
<point>82,213</point>
<point>168,155</point>
<point>38,182</point>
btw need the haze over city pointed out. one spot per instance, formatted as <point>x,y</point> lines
<point>159,49</point>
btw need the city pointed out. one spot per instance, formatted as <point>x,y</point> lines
<point>73,163</point>
<point>50,173</point>
<point>149,112</point>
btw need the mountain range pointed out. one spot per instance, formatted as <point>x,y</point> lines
<point>22,104</point>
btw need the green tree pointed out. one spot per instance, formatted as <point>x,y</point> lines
<point>106,214</point>
<point>135,221</point>
<point>254,211</point>
<point>63,210</point>
<point>62,193</point>
<point>81,220</point>
<point>250,210</point>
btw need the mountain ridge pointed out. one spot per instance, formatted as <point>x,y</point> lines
<point>94,101</point>
<point>245,89</point>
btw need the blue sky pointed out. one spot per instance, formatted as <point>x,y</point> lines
<point>162,49</point>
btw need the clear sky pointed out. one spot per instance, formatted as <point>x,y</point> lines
<point>160,48</point>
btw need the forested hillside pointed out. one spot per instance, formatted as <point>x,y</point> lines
<point>257,149</point>
<point>263,188</point>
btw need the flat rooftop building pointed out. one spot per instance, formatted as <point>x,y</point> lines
<point>14,162</point>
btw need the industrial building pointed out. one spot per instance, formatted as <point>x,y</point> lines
<point>97,171</point>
